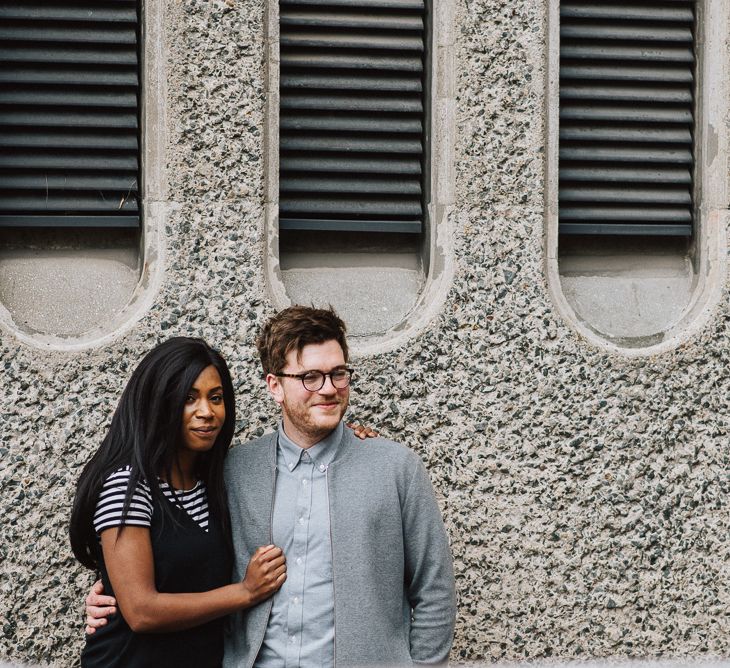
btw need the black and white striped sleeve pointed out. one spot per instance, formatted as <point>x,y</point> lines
<point>109,507</point>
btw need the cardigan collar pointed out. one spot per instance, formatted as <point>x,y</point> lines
<point>340,448</point>
<point>322,453</point>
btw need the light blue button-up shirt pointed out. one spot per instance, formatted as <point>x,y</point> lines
<point>301,628</point>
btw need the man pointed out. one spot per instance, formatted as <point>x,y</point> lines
<point>369,577</point>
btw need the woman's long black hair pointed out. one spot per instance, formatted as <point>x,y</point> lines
<point>146,434</point>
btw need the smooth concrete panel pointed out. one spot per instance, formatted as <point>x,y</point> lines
<point>371,300</point>
<point>66,292</point>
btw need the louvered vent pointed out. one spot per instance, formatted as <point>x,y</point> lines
<point>352,115</point>
<point>69,93</point>
<point>626,117</point>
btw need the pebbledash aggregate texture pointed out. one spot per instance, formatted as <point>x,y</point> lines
<point>585,492</point>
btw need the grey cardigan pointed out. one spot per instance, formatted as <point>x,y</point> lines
<point>393,577</point>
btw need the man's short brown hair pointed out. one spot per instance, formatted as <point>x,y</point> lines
<point>296,327</point>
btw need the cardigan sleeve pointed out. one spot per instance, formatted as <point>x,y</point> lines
<point>429,572</point>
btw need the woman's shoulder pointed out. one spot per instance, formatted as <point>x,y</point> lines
<point>112,502</point>
<point>121,478</point>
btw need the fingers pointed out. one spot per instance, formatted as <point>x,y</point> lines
<point>93,624</point>
<point>268,559</point>
<point>96,617</point>
<point>267,553</point>
<point>270,565</point>
<point>95,599</point>
<point>276,584</point>
<point>260,554</point>
<point>266,572</point>
<point>276,579</point>
<point>270,571</point>
<point>98,607</point>
<point>269,568</point>
<point>95,613</point>
<point>273,563</point>
<point>98,601</point>
<point>362,431</point>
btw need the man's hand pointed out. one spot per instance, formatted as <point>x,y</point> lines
<point>98,607</point>
<point>361,431</point>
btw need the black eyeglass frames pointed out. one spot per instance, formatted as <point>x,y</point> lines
<point>313,381</point>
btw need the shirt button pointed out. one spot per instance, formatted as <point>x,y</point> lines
<point>291,466</point>
<point>322,468</point>
<point>295,600</point>
<point>299,561</point>
<point>304,482</point>
<point>301,520</point>
<point>292,639</point>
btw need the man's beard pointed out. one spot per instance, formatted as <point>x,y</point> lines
<point>302,419</point>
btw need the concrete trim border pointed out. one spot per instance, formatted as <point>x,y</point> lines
<point>155,203</point>
<point>711,192</point>
<point>440,272</point>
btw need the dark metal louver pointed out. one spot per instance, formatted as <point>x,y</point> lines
<point>352,115</point>
<point>626,117</point>
<point>69,97</point>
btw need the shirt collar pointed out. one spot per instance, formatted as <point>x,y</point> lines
<point>321,453</point>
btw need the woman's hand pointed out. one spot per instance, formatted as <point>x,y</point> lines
<point>361,431</point>
<point>130,563</point>
<point>265,573</point>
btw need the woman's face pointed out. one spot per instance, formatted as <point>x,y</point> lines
<point>204,411</point>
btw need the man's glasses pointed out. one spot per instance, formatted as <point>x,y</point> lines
<point>313,381</point>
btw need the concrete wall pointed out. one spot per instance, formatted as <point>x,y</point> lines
<point>585,491</point>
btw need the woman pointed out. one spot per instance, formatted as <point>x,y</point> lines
<point>150,514</point>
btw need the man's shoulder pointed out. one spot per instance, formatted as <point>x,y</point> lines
<point>387,451</point>
<point>256,448</point>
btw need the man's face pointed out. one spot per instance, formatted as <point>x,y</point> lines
<point>310,416</point>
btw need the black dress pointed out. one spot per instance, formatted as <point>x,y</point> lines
<point>187,559</point>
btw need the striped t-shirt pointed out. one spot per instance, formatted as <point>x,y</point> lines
<point>109,507</point>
